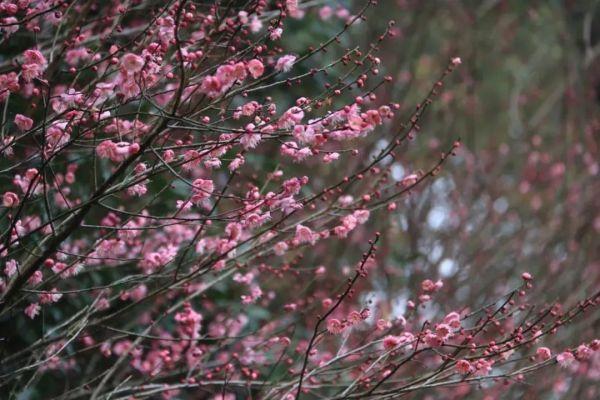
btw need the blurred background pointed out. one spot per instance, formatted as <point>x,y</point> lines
<point>522,195</point>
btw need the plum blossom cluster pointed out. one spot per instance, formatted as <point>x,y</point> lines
<point>180,218</point>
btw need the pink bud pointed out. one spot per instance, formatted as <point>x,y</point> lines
<point>543,353</point>
<point>10,199</point>
<point>526,276</point>
<point>134,148</point>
